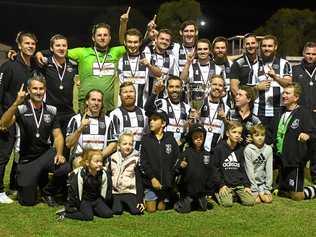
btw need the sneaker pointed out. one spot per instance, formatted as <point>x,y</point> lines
<point>5,199</point>
<point>60,214</point>
<point>12,193</point>
<point>50,201</point>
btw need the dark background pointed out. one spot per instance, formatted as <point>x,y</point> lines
<point>74,18</point>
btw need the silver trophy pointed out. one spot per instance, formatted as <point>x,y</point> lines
<point>196,96</point>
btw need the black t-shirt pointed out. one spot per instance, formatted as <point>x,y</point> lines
<point>91,187</point>
<point>31,147</point>
<point>60,97</point>
<point>242,69</point>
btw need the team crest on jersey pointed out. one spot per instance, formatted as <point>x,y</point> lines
<point>69,69</point>
<point>275,66</point>
<point>102,125</point>
<point>168,148</point>
<point>206,159</point>
<point>47,118</point>
<point>139,118</point>
<point>249,125</point>
<point>205,108</point>
<point>295,124</point>
<point>227,70</point>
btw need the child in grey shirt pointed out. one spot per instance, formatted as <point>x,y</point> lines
<point>258,164</point>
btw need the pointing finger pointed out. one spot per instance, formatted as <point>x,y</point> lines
<point>154,19</point>
<point>21,89</point>
<point>129,8</point>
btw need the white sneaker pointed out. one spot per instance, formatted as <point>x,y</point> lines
<point>5,199</point>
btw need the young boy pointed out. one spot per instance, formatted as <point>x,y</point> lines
<point>194,171</point>
<point>127,188</point>
<point>159,151</point>
<point>229,161</point>
<point>90,188</point>
<point>258,164</point>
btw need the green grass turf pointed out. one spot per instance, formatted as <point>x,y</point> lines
<point>281,218</point>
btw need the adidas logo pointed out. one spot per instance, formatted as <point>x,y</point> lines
<point>231,162</point>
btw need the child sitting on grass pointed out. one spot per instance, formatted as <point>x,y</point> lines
<point>258,164</point>
<point>127,188</point>
<point>194,171</point>
<point>90,188</point>
<point>229,161</point>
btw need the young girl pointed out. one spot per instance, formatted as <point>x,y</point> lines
<point>228,159</point>
<point>90,188</point>
<point>258,164</point>
<point>127,186</point>
<point>195,172</point>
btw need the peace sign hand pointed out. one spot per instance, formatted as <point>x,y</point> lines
<point>124,17</point>
<point>21,96</point>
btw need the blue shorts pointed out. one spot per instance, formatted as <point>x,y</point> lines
<point>150,195</point>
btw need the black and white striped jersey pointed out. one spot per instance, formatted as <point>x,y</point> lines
<point>212,123</point>
<point>130,69</point>
<point>179,51</point>
<point>135,121</point>
<point>97,135</point>
<point>177,115</point>
<point>270,100</point>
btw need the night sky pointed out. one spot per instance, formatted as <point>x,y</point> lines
<point>74,18</point>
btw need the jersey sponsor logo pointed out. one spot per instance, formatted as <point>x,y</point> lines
<point>231,162</point>
<point>47,118</point>
<point>168,149</point>
<point>295,124</point>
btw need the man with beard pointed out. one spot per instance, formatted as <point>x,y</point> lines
<point>244,70</point>
<point>129,117</point>
<point>198,73</point>
<point>161,58</point>
<point>97,66</point>
<point>177,112</point>
<point>37,122</point>
<point>134,66</point>
<point>92,130</point>
<point>213,113</point>
<point>274,73</point>
<point>305,75</point>
<point>13,74</point>
<point>222,65</point>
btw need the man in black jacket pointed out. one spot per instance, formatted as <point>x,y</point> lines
<point>12,75</point>
<point>294,128</point>
<point>305,74</point>
<point>159,151</point>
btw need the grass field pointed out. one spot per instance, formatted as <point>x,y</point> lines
<point>281,218</point>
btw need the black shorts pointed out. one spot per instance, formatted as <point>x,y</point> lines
<point>291,179</point>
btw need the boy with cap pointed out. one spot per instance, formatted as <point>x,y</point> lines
<point>159,151</point>
<point>196,174</point>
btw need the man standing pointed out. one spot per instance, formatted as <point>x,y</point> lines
<point>135,66</point>
<point>37,122</point>
<point>274,73</point>
<point>305,75</point>
<point>13,74</point>
<point>129,117</point>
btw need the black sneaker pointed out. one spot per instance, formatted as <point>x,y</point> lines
<point>202,201</point>
<point>50,201</point>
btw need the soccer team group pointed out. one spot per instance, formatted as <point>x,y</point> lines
<point>160,125</point>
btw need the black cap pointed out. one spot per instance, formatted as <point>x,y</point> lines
<point>161,114</point>
<point>196,127</point>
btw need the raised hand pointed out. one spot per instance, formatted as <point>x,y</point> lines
<point>84,122</point>
<point>21,96</point>
<point>152,25</point>
<point>190,57</point>
<point>125,16</point>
